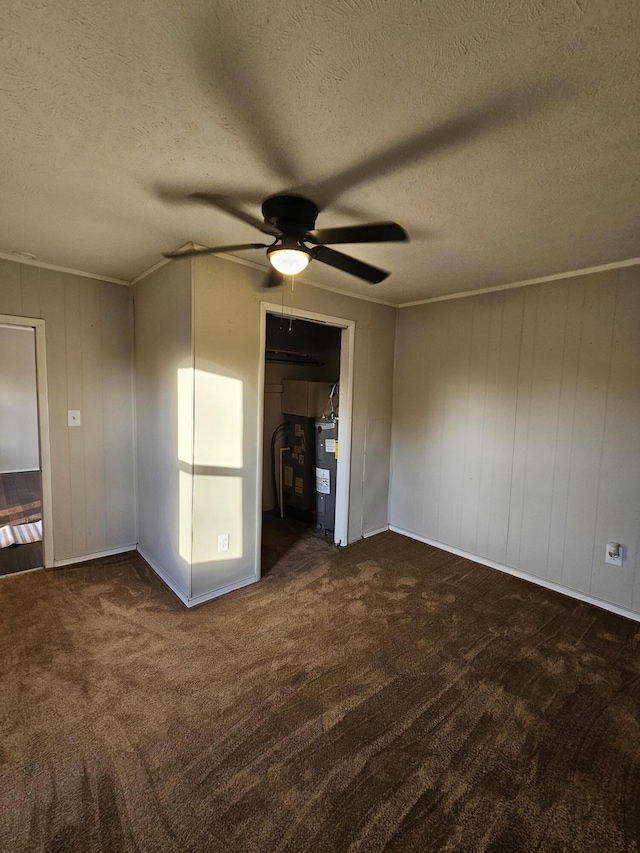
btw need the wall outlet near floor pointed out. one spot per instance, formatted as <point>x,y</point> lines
<point>614,554</point>
<point>223,542</point>
<point>73,417</point>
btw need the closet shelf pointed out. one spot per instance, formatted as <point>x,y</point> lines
<point>284,356</point>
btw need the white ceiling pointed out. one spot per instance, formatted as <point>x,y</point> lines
<point>502,135</point>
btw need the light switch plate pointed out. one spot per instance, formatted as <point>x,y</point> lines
<point>73,417</point>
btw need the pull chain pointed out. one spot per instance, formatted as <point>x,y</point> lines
<point>293,279</point>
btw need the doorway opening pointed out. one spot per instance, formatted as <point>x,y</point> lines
<point>306,426</point>
<point>20,481</point>
<point>25,486</point>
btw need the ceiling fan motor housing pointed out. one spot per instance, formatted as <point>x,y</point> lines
<point>290,213</point>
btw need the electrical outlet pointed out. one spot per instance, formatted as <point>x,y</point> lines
<point>614,554</point>
<point>73,417</point>
<point>223,542</point>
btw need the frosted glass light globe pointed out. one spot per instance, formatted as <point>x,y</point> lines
<point>288,261</point>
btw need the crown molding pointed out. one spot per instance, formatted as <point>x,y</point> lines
<point>35,263</point>
<point>632,262</point>
<point>148,272</point>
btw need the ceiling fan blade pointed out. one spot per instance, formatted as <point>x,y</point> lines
<point>227,206</point>
<point>348,264</point>
<point>215,250</point>
<point>375,232</point>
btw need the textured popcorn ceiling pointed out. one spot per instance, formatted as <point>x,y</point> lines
<point>502,135</point>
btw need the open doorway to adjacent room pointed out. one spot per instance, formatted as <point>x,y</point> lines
<point>20,478</point>
<point>308,361</point>
<point>26,540</point>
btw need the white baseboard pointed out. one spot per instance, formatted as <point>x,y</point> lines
<point>84,557</point>
<point>208,596</point>
<point>164,577</point>
<point>556,587</point>
<point>375,532</point>
<point>19,471</point>
<point>199,599</point>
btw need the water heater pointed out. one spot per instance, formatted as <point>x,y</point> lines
<point>326,469</point>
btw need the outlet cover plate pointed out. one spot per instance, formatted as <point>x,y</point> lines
<point>610,555</point>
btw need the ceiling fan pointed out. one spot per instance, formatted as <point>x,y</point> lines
<point>290,220</point>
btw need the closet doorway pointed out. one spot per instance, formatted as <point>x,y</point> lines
<point>306,426</point>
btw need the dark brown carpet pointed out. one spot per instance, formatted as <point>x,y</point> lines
<point>387,696</point>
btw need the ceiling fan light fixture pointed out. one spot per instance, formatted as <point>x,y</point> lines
<point>289,259</point>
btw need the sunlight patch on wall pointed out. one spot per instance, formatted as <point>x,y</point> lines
<point>219,420</point>
<point>185,498</point>
<point>185,415</point>
<point>217,512</point>
<point>210,436</point>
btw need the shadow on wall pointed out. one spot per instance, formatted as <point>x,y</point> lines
<point>210,441</point>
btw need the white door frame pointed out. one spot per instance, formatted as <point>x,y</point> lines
<point>43,428</point>
<point>343,474</point>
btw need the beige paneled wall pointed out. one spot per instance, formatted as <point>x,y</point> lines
<point>517,429</point>
<point>89,359</point>
<point>19,449</point>
<point>164,406</point>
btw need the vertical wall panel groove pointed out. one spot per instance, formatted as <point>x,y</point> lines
<point>476,395</point>
<point>542,420</point>
<point>588,428</point>
<point>509,356</point>
<point>496,307</point>
<point>564,432</point>
<point>75,400</point>
<point>438,332</point>
<point>93,419</point>
<point>607,411</point>
<point>521,425</point>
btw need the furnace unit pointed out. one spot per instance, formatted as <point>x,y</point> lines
<point>299,467</point>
